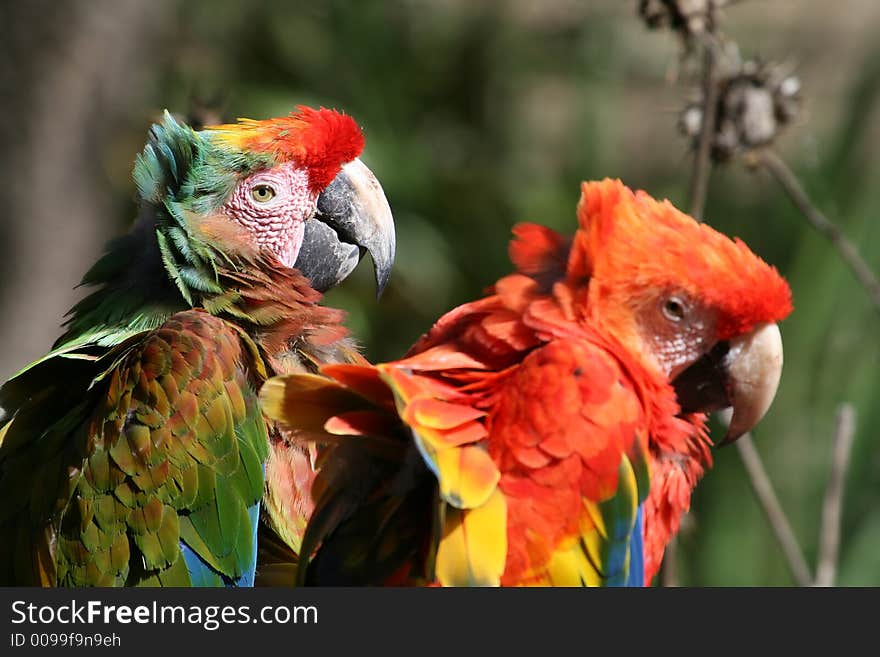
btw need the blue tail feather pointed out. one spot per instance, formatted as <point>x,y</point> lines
<point>636,576</point>
<point>201,574</point>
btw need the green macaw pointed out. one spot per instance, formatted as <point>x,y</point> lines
<point>135,452</point>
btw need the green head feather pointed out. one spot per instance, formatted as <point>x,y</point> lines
<point>166,263</point>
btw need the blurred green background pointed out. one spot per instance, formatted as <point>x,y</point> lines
<point>478,115</point>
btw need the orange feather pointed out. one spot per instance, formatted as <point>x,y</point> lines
<point>539,408</point>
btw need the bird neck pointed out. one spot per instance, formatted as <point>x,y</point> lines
<point>277,307</point>
<point>144,277</point>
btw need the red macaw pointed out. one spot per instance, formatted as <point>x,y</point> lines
<point>552,432</point>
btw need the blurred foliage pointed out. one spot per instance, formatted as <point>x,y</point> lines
<point>480,115</point>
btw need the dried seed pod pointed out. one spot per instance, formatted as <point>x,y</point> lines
<point>755,103</point>
<point>689,18</point>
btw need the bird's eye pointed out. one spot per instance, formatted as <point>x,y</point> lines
<point>262,193</point>
<point>673,309</point>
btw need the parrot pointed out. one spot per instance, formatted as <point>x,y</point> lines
<point>135,452</point>
<point>552,432</point>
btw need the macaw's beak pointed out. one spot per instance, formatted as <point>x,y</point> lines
<point>353,216</point>
<point>742,373</point>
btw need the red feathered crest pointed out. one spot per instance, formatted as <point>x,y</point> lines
<point>630,242</point>
<point>320,140</point>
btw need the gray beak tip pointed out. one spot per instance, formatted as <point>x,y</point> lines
<point>382,269</point>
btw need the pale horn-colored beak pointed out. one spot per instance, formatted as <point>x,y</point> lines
<point>754,366</point>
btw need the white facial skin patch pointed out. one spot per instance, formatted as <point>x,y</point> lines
<point>675,352</point>
<point>273,206</point>
<point>678,344</point>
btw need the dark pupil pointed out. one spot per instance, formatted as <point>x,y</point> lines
<point>673,308</point>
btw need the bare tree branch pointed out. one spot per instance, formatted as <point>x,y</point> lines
<point>847,251</point>
<point>699,188</point>
<point>760,482</point>
<point>829,537</point>
<point>703,157</point>
<point>758,479</point>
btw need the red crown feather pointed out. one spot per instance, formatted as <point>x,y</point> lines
<point>633,242</point>
<point>321,140</point>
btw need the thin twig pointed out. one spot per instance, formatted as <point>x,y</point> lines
<point>703,157</point>
<point>775,515</point>
<point>698,190</point>
<point>669,569</point>
<point>829,536</point>
<point>847,251</point>
<point>754,467</point>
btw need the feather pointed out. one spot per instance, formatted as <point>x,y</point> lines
<point>473,549</point>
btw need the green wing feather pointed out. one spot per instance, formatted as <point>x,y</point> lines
<point>159,439</point>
